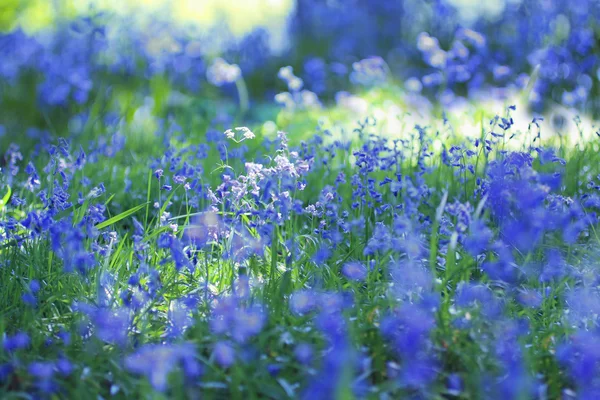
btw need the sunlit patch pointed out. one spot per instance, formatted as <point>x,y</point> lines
<point>396,115</point>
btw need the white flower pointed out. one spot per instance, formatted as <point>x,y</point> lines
<point>310,99</point>
<point>221,72</point>
<point>285,73</point>
<point>285,99</point>
<point>295,83</point>
<point>229,134</point>
<point>247,133</point>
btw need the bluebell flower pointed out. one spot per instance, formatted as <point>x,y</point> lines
<point>454,384</point>
<point>156,362</point>
<point>302,302</point>
<point>224,354</point>
<point>274,369</point>
<point>304,353</point>
<point>411,278</point>
<point>420,373</point>
<point>321,255</point>
<point>380,241</point>
<point>44,373</point>
<point>554,266</point>
<point>20,340</point>
<point>530,298</point>
<point>29,299</point>
<point>6,369</point>
<point>111,325</point>
<point>179,320</point>
<point>64,366</point>
<point>247,323</point>
<point>355,271</point>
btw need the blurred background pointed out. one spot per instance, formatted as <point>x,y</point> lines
<point>66,59</point>
<point>241,16</point>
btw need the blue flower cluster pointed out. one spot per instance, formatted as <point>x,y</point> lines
<point>338,263</point>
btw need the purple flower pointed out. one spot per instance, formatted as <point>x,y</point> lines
<point>179,320</point>
<point>43,372</point>
<point>321,255</point>
<point>454,384</point>
<point>224,354</point>
<point>380,241</point>
<point>18,341</point>
<point>111,326</point>
<point>530,298</point>
<point>274,369</point>
<point>419,373</point>
<point>34,286</point>
<point>304,353</point>
<point>29,299</point>
<point>302,302</point>
<point>478,239</point>
<point>64,366</point>
<point>5,371</point>
<point>355,271</point>
<point>247,323</point>
<point>157,361</point>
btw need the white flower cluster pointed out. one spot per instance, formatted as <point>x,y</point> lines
<point>295,98</point>
<point>285,165</point>
<point>247,134</point>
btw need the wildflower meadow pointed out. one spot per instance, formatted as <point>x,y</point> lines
<point>357,199</point>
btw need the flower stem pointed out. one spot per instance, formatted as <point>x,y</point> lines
<point>242,90</point>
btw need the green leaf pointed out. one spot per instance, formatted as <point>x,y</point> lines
<point>120,217</point>
<point>6,198</point>
<point>109,199</point>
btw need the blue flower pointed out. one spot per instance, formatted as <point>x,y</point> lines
<point>304,353</point>
<point>224,354</point>
<point>355,271</point>
<point>380,241</point>
<point>302,302</point>
<point>43,372</point>
<point>18,341</point>
<point>156,362</point>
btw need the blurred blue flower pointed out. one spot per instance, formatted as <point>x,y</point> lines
<point>156,362</point>
<point>354,270</point>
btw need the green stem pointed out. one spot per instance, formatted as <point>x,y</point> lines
<point>242,90</point>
